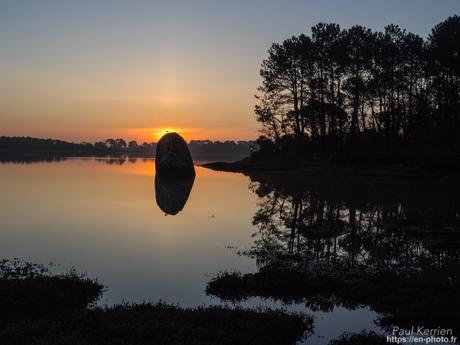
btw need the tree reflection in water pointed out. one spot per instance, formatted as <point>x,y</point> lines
<point>403,228</point>
<point>391,245</point>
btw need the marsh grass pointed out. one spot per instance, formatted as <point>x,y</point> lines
<point>38,307</point>
<point>29,290</point>
<point>362,338</point>
<point>399,299</point>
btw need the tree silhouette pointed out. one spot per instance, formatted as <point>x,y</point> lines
<point>357,86</point>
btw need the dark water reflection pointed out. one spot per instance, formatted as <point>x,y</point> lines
<point>398,226</point>
<point>364,252</point>
<point>172,192</point>
<point>392,245</point>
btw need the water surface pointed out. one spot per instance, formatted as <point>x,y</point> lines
<point>101,217</point>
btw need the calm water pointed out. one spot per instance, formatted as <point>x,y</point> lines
<point>102,218</point>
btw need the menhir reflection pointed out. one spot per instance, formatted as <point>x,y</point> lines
<point>172,191</point>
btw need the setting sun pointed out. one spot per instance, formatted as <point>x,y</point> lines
<point>159,132</point>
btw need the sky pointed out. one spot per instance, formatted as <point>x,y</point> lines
<point>91,69</point>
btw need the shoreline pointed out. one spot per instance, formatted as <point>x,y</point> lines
<point>329,169</point>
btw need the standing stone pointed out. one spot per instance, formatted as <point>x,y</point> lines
<point>173,156</point>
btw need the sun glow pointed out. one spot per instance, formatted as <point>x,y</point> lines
<point>159,132</point>
<point>153,134</point>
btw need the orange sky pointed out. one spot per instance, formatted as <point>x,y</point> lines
<point>140,134</point>
<point>89,70</point>
<point>89,73</point>
<point>134,104</point>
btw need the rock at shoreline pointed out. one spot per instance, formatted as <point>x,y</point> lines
<point>173,155</point>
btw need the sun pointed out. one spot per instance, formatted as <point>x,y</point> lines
<point>159,132</point>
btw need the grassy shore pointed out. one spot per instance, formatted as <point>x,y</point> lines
<point>362,338</point>
<point>400,299</point>
<point>38,307</point>
<point>159,324</point>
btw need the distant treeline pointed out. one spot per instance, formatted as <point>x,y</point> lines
<point>358,95</point>
<point>37,145</point>
<point>198,148</point>
<point>206,149</point>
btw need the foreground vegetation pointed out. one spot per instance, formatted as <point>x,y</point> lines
<point>39,307</point>
<point>159,324</point>
<point>362,338</point>
<point>402,300</point>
